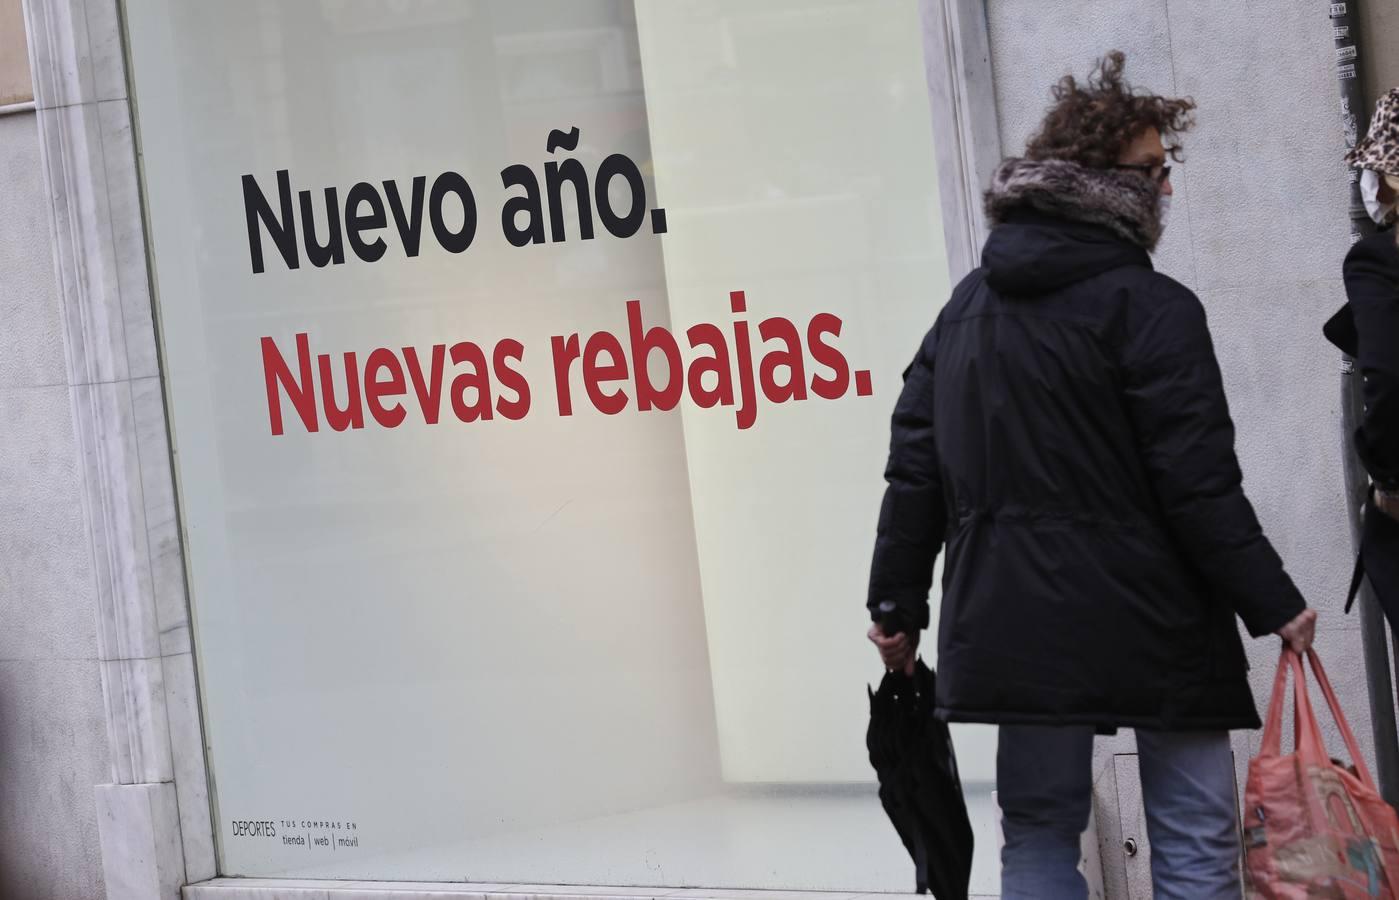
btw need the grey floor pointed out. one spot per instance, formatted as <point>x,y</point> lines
<point>833,840</point>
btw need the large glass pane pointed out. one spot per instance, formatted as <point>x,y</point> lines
<point>529,366</point>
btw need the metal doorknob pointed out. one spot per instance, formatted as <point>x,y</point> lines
<point>1130,845</point>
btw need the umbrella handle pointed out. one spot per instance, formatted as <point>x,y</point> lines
<point>892,622</point>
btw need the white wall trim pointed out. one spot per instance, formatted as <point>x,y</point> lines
<point>154,820</point>
<point>957,53</point>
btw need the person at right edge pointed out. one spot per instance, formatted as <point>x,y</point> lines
<point>1064,431</point>
<point>1367,330</point>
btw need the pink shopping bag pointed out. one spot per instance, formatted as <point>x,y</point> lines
<point>1314,827</point>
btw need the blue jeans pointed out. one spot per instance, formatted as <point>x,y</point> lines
<point>1044,779</point>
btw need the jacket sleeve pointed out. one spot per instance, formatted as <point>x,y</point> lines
<point>913,517</point>
<point>1175,399</point>
<point>1372,286</point>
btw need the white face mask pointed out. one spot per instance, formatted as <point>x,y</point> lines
<point>1370,192</point>
<point>1163,208</point>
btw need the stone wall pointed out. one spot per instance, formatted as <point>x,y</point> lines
<point>1379,46</point>
<point>53,733</point>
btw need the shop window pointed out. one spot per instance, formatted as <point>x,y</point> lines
<point>529,366</point>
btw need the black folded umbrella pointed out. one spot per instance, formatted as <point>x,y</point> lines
<point>911,750</point>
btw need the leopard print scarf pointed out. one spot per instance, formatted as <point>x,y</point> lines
<point>1380,148</point>
<point>1379,151</point>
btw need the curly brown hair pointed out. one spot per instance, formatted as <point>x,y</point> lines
<point>1091,123</point>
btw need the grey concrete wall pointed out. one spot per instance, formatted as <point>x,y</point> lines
<point>1379,46</point>
<point>1258,230</point>
<point>53,739</point>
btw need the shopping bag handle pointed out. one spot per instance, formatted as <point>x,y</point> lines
<point>1352,746</point>
<point>1307,733</point>
<point>1272,727</point>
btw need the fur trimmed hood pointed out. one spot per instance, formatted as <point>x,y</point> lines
<point>1123,201</point>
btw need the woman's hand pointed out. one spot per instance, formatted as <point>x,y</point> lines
<point>897,652</point>
<point>1300,632</point>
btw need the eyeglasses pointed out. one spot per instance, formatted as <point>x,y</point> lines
<point>1150,170</point>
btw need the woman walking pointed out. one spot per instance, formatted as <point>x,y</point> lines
<point>1367,329</point>
<point>1063,433</point>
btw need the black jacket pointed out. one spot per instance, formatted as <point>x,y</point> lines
<point>1063,431</point>
<point>1367,329</point>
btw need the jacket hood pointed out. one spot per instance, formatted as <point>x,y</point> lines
<point>1032,253</point>
<point>1056,223</point>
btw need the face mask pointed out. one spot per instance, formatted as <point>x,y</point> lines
<point>1163,209</point>
<point>1370,193</point>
